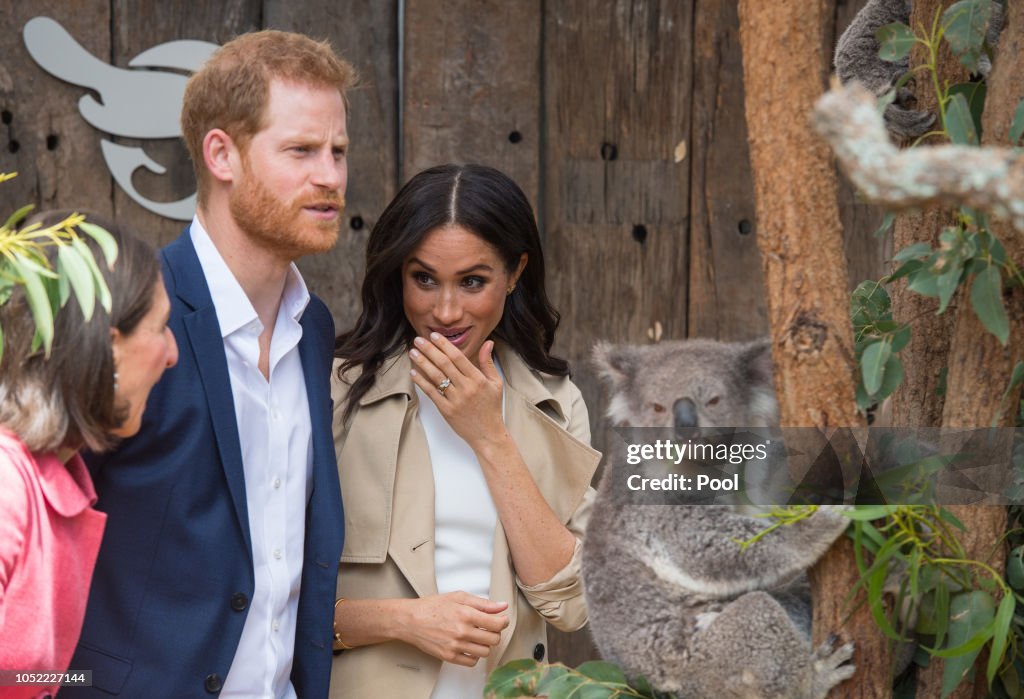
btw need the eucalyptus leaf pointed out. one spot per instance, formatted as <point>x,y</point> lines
<point>1017,126</point>
<point>103,238</point>
<point>102,290</point>
<point>901,337</point>
<point>948,281</point>
<point>965,23</point>
<point>872,365</point>
<point>1004,615</point>
<point>971,624</point>
<point>924,281</point>
<point>15,218</point>
<point>987,300</point>
<point>891,380</point>
<point>959,123</point>
<point>890,217</point>
<point>80,276</point>
<point>1015,568</point>
<point>38,303</point>
<point>603,672</point>
<point>912,252</point>
<point>975,94</point>
<point>518,678</point>
<point>563,686</point>
<point>894,41</point>
<point>908,267</point>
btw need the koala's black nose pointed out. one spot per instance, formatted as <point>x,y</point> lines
<point>685,413</point>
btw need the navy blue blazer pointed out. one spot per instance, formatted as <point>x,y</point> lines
<point>175,573</point>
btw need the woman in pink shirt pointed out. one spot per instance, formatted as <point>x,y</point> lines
<point>90,392</point>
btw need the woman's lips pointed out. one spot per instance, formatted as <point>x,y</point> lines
<point>456,336</point>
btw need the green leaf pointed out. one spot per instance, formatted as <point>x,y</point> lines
<point>1015,568</point>
<point>1000,635</point>
<point>602,672</point>
<point>15,218</point>
<point>971,624</point>
<point>1,344</point>
<point>889,217</point>
<point>908,267</point>
<point>900,338</point>
<point>70,264</point>
<point>948,282</point>
<point>959,124</point>
<point>950,518</point>
<point>38,303</point>
<point>106,241</point>
<point>975,94</point>
<point>518,678</point>
<point>892,378</point>
<point>987,300</point>
<point>101,283</point>
<point>965,24</point>
<point>924,281</point>
<point>563,686</point>
<point>1017,127</point>
<point>872,365</point>
<point>913,252</point>
<point>894,41</point>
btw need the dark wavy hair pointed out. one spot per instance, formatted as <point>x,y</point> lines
<point>67,399</point>
<point>484,201</point>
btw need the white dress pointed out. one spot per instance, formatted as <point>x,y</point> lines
<point>464,522</point>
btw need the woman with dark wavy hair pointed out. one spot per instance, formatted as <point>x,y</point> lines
<point>463,447</point>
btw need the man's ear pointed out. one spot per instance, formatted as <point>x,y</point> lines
<point>221,155</point>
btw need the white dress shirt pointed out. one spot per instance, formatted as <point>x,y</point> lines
<point>464,522</point>
<point>275,435</point>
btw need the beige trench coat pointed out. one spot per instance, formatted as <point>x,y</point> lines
<point>388,489</point>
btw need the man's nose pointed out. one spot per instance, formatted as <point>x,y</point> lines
<point>330,172</point>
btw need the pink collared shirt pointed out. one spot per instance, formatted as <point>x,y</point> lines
<point>49,538</point>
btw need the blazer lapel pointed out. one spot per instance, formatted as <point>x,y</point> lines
<point>207,345</point>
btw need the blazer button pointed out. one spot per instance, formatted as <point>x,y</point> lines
<point>213,683</point>
<point>538,652</point>
<point>239,601</point>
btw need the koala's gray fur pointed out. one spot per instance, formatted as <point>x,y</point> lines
<point>857,59</point>
<point>670,593</point>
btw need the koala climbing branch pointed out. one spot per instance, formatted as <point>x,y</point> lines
<point>990,179</point>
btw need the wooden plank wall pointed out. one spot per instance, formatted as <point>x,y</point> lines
<point>586,104</point>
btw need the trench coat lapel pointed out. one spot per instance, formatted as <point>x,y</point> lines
<point>400,506</point>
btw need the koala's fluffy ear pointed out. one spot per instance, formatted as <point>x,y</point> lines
<point>756,359</point>
<point>614,364</point>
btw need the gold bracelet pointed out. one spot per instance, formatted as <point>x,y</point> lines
<point>338,643</point>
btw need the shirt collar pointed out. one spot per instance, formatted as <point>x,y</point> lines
<point>234,310</point>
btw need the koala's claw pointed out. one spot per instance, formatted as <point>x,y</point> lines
<point>831,666</point>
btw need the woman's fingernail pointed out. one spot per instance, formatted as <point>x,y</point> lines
<point>419,341</point>
<point>415,354</point>
<point>435,336</point>
<point>412,372</point>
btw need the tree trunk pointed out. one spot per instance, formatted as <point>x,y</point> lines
<point>801,243</point>
<point>917,402</point>
<point>798,226</point>
<point>979,366</point>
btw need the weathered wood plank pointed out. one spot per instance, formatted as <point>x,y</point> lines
<point>616,204</point>
<point>365,34</point>
<point>472,87</point>
<point>139,25</point>
<point>727,299</point>
<point>42,134</point>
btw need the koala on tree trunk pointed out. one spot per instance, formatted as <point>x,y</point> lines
<point>671,594</point>
<point>857,59</point>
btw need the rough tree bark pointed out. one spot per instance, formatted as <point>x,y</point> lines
<point>801,243</point>
<point>980,366</point>
<point>917,403</point>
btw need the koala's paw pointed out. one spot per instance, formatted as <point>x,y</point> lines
<point>908,124</point>
<point>830,667</point>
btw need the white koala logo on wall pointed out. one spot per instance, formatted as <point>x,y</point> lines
<point>133,103</point>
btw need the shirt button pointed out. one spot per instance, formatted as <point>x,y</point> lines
<point>277,554</point>
<point>276,626</point>
<point>277,483</point>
